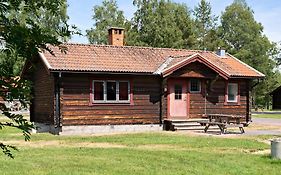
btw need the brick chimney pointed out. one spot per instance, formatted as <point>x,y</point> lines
<point>116,36</point>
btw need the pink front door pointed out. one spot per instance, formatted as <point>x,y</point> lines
<point>177,98</point>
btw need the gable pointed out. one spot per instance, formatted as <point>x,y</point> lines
<point>184,61</point>
<point>276,91</point>
<point>195,70</point>
<point>32,65</point>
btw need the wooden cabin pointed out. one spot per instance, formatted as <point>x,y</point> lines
<point>101,88</point>
<point>276,98</point>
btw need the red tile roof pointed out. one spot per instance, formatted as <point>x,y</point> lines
<point>131,59</point>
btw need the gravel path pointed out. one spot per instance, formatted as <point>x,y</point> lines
<point>267,121</point>
<point>262,132</point>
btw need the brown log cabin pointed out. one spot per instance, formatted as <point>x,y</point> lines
<point>276,98</point>
<point>101,88</point>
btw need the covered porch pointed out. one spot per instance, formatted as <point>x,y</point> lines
<point>195,89</point>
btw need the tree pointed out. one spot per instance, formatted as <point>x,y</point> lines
<point>243,37</point>
<point>105,16</point>
<point>161,23</point>
<point>42,17</point>
<point>22,35</point>
<point>205,27</point>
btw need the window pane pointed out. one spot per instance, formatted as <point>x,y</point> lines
<point>178,92</point>
<point>123,91</point>
<point>111,90</point>
<point>194,85</point>
<point>232,92</point>
<point>98,91</point>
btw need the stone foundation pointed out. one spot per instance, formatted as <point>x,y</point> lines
<point>95,129</point>
<point>44,127</point>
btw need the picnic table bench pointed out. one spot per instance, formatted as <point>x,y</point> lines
<point>224,121</point>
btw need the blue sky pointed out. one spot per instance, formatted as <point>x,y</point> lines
<point>267,12</point>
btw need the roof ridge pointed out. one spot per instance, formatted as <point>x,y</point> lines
<point>182,56</point>
<point>137,47</point>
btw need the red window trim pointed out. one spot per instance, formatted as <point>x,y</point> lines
<point>92,103</point>
<point>226,94</point>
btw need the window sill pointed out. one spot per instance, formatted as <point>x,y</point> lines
<point>232,104</point>
<point>195,92</point>
<point>111,104</point>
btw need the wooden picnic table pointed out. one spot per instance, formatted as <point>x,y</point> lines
<point>223,121</point>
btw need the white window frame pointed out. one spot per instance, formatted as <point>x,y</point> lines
<point>199,81</point>
<point>235,94</point>
<point>105,92</point>
<point>175,92</point>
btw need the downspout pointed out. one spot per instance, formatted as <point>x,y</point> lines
<point>206,93</point>
<point>57,101</point>
<point>162,98</point>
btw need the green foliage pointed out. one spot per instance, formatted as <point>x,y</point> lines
<point>105,16</point>
<point>42,16</point>
<point>243,37</point>
<point>18,89</point>
<point>10,63</point>
<point>205,27</point>
<point>275,116</point>
<point>161,23</point>
<point>26,27</point>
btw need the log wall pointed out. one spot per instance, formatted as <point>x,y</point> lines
<point>215,100</point>
<point>77,108</point>
<point>42,105</point>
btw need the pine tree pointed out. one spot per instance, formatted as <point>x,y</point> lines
<point>243,37</point>
<point>205,27</point>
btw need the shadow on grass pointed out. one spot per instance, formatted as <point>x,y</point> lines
<point>271,160</point>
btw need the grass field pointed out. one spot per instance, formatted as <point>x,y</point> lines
<point>276,116</point>
<point>143,153</point>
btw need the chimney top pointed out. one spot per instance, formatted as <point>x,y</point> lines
<point>116,36</point>
<point>120,28</point>
<point>221,52</point>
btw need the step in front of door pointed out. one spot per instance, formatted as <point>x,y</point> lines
<point>190,125</point>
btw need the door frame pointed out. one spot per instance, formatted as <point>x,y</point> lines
<point>187,93</point>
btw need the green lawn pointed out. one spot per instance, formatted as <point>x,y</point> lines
<point>144,153</point>
<point>276,116</point>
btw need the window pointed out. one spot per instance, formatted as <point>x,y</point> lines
<point>99,90</point>
<point>111,91</point>
<point>178,92</point>
<point>232,92</point>
<point>195,86</point>
<point>123,91</point>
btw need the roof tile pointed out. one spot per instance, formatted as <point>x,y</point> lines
<point>106,58</point>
